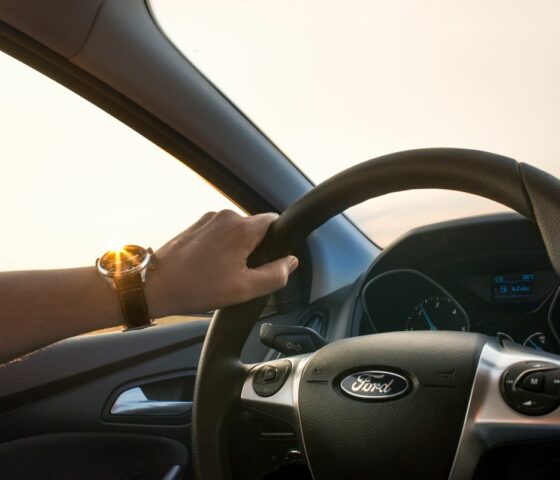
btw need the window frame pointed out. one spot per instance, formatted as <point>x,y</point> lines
<point>30,52</point>
<point>25,49</point>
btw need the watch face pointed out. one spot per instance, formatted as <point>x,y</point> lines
<point>128,259</point>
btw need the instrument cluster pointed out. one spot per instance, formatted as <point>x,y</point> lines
<point>514,306</point>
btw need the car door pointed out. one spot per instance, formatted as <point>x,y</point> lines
<point>108,404</point>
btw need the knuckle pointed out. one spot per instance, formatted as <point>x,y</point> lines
<point>238,226</point>
<point>227,214</point>
<point>283,281</point>
<point>231,221</point>
<point>208,215</point>
<point>281,277</point>
<point>243,225</point>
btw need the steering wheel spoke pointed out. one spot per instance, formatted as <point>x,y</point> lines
<point>505,409</point>
<point>272,389</point>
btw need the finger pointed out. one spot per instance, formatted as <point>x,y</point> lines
<point>256,228</point>
<point>272,276</point>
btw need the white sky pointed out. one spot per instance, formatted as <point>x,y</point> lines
<point>334,83</point>
<point>331,83</point>
<point>76,182</point>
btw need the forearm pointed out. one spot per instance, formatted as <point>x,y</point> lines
<point>43,307</point>
<point>203,268</point>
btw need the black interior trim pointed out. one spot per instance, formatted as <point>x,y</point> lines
<point>59,69</point>
<point>80,360</point>
<point>91,456</point>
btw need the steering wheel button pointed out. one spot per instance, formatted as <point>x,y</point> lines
<point>533,382</point>
<point>508,383</point>
<point>269,378</point>
<point>552,382</point>
<point>536,406</point>
<point>270,374</point>
<point>533,364</point>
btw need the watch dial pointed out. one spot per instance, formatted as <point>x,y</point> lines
<point>118,262</point>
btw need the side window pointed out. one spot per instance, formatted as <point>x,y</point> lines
<point>75,181</point>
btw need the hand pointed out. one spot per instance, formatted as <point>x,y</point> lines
<point>205,267</point>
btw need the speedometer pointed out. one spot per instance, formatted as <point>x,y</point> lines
<point>438,313</point>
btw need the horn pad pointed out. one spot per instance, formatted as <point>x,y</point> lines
<point>388,406</point>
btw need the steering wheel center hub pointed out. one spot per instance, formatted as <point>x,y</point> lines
<point>413,434</point>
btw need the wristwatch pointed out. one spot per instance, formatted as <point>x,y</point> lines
<point>125,271</point>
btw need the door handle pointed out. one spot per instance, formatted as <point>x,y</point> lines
<point>134,402</point>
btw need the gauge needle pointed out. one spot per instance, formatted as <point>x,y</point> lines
<point>426,316</point>
<point>537,347</point>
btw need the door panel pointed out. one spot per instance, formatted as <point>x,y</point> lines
<point>59,399</point>
<point>87,456</point>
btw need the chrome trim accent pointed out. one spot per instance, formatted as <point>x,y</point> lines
<point>174,473</point>
<point>552,308</point>
<point>134,402</point>
<point>489,420</point>
<point>284,404</point>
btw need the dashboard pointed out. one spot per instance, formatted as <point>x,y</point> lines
<point>485,274</point>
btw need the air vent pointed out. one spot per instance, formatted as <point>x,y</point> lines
<point>315,318</point>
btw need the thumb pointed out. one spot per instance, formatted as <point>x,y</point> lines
<point>272,276</point>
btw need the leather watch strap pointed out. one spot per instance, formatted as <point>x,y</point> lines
<point>133,301</point>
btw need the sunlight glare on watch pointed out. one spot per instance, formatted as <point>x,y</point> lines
<point>123,260</point>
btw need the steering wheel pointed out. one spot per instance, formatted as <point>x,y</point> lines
<point>451,403</point>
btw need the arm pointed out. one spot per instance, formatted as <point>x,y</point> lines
<point>203,268</point>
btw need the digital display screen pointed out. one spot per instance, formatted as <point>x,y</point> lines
<point>516,286</point>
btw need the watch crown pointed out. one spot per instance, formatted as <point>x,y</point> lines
<point>153,260</point>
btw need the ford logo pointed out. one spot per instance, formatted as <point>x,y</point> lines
<point>375,385</point>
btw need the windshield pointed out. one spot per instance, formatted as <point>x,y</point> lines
<point>336,83</point>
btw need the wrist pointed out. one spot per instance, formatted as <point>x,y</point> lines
<point>155,295</point>
<point>167,291</point>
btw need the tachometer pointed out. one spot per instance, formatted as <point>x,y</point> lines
<point>437,313</point>
<point>538,341</point>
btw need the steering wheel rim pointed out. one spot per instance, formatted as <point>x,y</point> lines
<point>221,374</point>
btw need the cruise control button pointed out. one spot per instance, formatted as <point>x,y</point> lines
<point>270,374</point>
<point>270,378</point>
<point>538,364</point>
<point>552,382</point>
<point>266,374</point>
<point>536,406</point>
<point>532,388</point>
<point>533,382</point>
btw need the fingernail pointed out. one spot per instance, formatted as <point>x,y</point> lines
<point>292,263</point>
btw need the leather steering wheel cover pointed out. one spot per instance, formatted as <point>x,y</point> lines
<point>525,189</point>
